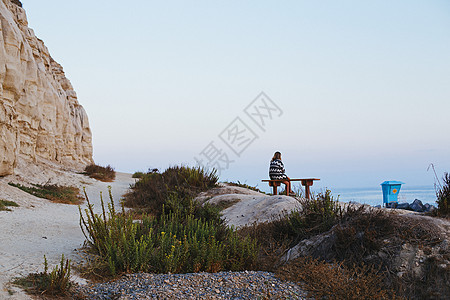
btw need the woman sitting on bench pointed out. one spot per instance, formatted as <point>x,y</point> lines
<point>276,172</point>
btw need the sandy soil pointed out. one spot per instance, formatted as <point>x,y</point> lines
<point>39,227</point>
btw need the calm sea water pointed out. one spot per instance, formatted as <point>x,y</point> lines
<point>374,196</point>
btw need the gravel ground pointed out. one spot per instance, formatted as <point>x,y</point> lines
<point>223,285</point>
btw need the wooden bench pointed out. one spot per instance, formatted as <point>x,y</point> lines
<point>306,182</point>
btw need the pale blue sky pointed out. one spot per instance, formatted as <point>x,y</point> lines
<point>364,85</point>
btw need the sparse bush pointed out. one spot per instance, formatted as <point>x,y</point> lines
<point>335,280</point>
<point>443,196</point>
<point>364,232</point>
<point>372,237</point>
<point>173,189</point>
<point>5,203</point>
<point>297,189</point>
<point>57,282</point>
<point>318,215</point>
<point>53,192</point>
<point>106,174</point>
<point>432,283</point>
<point>172,242</point>
<point>360,235</point>
<point>355,257</point>
<point>275,237</point>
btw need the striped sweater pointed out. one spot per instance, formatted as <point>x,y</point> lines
<point>276,170</point>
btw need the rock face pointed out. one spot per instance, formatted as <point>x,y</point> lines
<point>40,117</point>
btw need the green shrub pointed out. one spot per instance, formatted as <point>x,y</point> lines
<point>171,242</point>
<point>174,189</point>
<point>5,203</point>
<point>138,175</point>
<point>53,192</point>
<point>318,215</point>
<point>106,174</point>
<point>57,282</point>
<point>443,196</point>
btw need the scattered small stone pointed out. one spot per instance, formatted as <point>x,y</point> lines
<point>222,285</point>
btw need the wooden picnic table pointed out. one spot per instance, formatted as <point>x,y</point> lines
<point>306,182</point>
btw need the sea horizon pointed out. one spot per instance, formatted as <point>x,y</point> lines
<point>371,195</point>
<point>374,196</point>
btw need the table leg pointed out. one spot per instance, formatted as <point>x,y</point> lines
<point>307,193</point>
<point>307,184</point>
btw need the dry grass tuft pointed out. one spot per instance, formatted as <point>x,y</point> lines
<point>274,238</point>
<point>432,284</point>
<point>53,192</point>
<point>335,280</point>
<point>318,215</point>
<point>55,283</point>
<point>5,203</point>
<point>106,174</point>
<point>364,232</point>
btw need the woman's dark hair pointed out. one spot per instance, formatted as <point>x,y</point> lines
<point>277,155</point>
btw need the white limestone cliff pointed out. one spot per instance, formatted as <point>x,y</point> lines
<point>40,117</point>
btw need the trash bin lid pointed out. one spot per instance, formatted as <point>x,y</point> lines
<point>392,182</point>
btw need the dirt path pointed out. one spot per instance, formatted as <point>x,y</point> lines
<point>39,227</point>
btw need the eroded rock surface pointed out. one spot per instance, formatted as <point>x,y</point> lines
<point>40,117</point>
<point>247,206</point>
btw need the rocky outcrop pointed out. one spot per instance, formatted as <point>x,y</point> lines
<point>416,206</point>
<point>243,207</point>
<point>411,248</point>
<point>40,117</point>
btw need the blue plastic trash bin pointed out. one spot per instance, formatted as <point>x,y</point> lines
<point>390,191</point>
